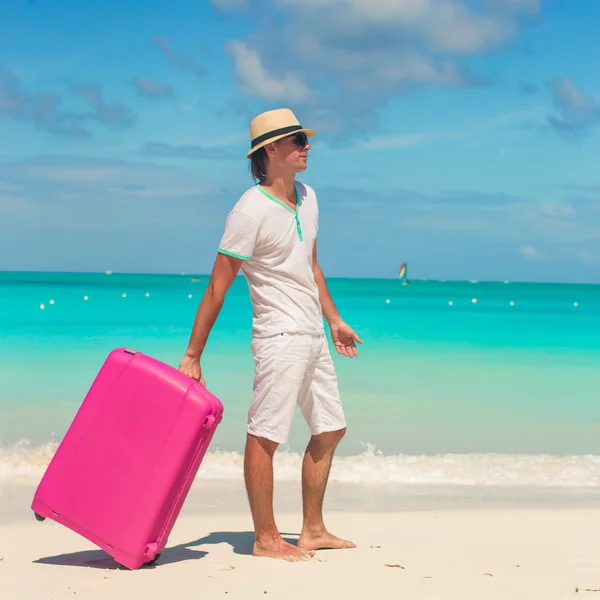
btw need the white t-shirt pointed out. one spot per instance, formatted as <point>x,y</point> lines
<point>276,244</point>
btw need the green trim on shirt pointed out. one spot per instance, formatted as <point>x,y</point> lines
<point>277,200</point>
<point>287,207</point>
<point>234,254</point>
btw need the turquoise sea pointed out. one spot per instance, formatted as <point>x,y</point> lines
<point>492,383</point>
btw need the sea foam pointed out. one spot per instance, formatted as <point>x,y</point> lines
<point>26,463</point>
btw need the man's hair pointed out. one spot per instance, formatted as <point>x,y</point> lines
<point>258,164</point>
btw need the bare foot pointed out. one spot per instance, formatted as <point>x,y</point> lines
<point>323,540</point>
<point>279,548</point>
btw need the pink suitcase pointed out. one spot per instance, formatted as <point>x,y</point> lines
<point>125,466</point>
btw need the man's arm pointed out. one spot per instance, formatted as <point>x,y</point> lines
<point>224,271</point>
<point>330,312</point>
<point>343,336</point>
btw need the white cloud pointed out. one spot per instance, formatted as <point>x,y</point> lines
<point>531,253</point>
<point>570,99</point>
<point>588,257</point>
<point>93,194</point>
<point>466,223</point>
<point>147,88</point>
<point>408,140</point>
<point>355,54</point>
<point>585,189</point>
<point>446,25</point>
<point>578,109</point>
<point>474,130</point>
<point>133,180</point>
<point>9,187</point>
<point>421,69</point>
<point>527,6</point>
<point>85,173</point>
<point>10,202</point>
<point>555,209</point>
<point>256,80</point>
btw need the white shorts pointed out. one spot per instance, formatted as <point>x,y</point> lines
<point>293,369</point>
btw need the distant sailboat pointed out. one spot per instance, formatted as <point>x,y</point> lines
<point>403,273</point>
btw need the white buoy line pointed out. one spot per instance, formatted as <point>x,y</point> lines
<point>511,303</point>
<point>123,295</point>
<point>387,300</point>
<point>473,301</point>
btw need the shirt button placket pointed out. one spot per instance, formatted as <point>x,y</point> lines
<point>299,227</point>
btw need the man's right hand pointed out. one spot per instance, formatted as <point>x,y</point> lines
<point>190,366</point>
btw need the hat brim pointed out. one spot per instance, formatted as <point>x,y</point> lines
<point>309,133</point>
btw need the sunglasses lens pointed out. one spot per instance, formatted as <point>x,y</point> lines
<point>301,140</point>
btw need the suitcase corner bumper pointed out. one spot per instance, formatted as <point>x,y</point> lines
<point>151,550</point>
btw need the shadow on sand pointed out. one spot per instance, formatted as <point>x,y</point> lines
<point>240,541</point>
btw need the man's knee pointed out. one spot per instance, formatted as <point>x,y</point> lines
<point>254,442</point>
<point>329,439</point>
<point>339,434</point>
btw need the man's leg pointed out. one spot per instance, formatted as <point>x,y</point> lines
<point>315,473</point>
<point>322,408</point>
<point>258,473</point>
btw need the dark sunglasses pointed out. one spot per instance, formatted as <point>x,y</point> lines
<point>299,139</point>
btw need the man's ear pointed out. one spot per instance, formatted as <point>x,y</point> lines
<point>270,149</point>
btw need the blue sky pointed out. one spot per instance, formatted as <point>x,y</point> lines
<point>460,135</point>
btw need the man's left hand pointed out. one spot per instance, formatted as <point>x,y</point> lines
<point>344,339</point>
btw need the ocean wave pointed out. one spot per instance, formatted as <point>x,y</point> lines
<point>24,462</point>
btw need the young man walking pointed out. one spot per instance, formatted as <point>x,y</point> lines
<point>271,235</point>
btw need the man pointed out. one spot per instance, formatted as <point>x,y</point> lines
<point>271,235</point>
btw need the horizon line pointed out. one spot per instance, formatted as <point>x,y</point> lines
<point>109,273</point>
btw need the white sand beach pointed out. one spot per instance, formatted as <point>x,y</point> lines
<point>497,553</point>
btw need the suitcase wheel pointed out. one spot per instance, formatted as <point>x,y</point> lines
<point>39,517</point>
<point>146,564</point>
<point>151,562</point>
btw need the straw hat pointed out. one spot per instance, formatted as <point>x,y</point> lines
<point>274,125</point>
